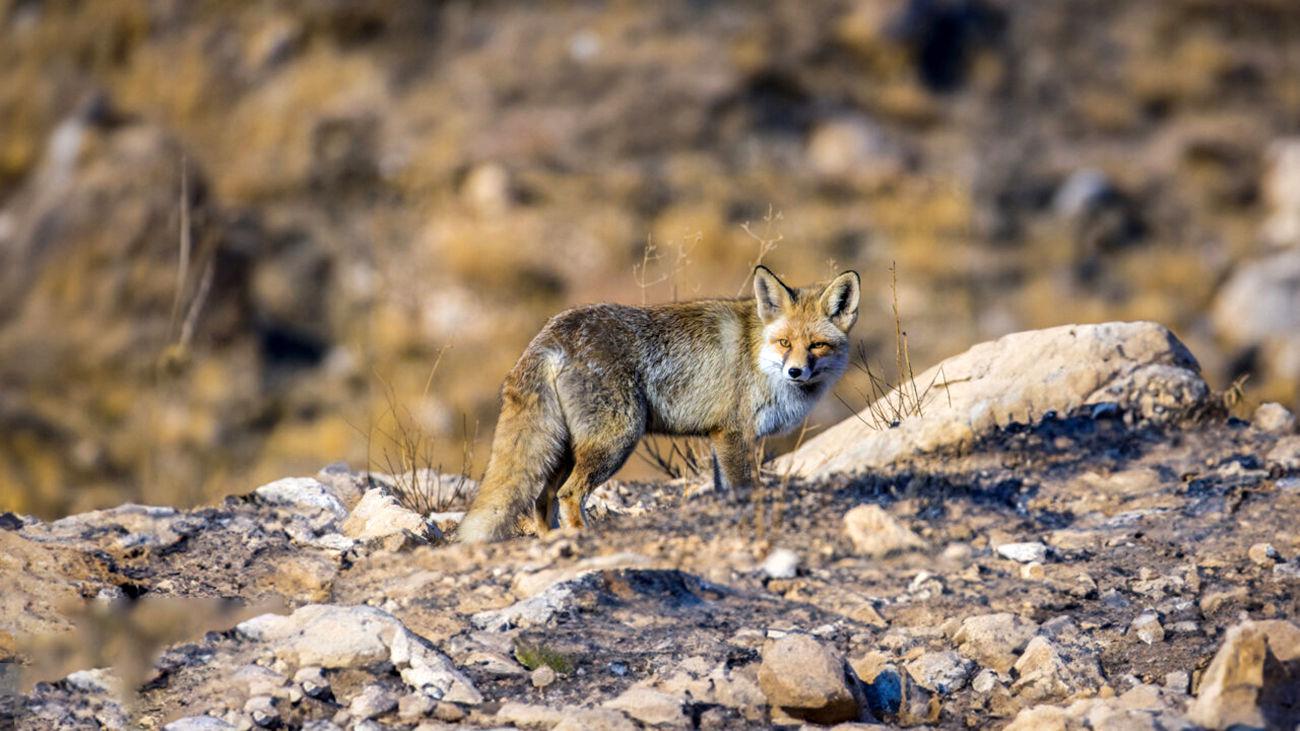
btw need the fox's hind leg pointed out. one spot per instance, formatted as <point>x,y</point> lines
<point>545,510</point>
<point>605,417</point>
<point>594,463</point>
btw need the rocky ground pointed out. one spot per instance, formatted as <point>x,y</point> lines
<point>370,184</point>
<point>1126,558</point>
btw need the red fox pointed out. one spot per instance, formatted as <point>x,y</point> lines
<point>598,378</point>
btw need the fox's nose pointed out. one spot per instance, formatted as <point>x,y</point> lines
<point>795,372</point>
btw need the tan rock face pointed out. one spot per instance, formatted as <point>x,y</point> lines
<point>1254,679</point>
<point>807,680</point>
<point>1016,379</point>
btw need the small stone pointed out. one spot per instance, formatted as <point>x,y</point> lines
<point>781,563</point>
<point>876,534</point>
<point>1263,554</point>
<point>594,719</point>
<point>957,552</point>
<point>985,681</point>
<point>449,712</point>
<point>199,723</point>
<point>1148,628</point>
<point>261,708</point>
<point>543,676</point>
<point>1287,571</point>
<point>1178,681</point>
<point>303,492</point>
<point>1023,552</point>
<point>372,702</point>
<point>806,680</point>
<point>649,706</point>
<point>414,706</point>
<point>1032,571</point>
<point>994,640</point>
<point>942,672</point>
<point>313,682</point>
<point>1212,601</point>
<point>1274,418</point>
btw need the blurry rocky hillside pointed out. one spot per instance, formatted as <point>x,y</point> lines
<point>232,235</point>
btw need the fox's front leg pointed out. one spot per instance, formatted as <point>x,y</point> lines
<point>734,452</point>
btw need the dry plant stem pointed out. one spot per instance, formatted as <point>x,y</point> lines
<point>888,403</point>
<point>417,482</point>
<point>767,241</point>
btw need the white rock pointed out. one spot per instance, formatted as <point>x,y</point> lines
<point>99,680</point>
<point>331,636</point>
<point>1051,669</point>
<point>1023,552</point>
<point>1016,379</point>
<point>985,681</point>
<point>781,563</point>
<point>876,533</point>
<point>942,672</point>
<point>378,515</point>
<point>199,723</point>
<point>649,706</point>
<point>305,492</point>
<point>994,640</point>
<point>1148,628</point>
<point>373,701</point>
<point>1274,418</point>
<point>326,635</point>
<point>536,610</point>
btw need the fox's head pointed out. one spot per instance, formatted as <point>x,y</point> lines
<point>806,330</point>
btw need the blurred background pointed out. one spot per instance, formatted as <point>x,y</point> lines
<point>235,237</point>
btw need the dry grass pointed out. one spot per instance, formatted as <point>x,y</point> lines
<point>408,456</point>
<point>885,402</point>
<point>676,457</point>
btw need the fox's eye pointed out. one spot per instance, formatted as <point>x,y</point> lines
<point>783,343</point>
<point>820,346</point>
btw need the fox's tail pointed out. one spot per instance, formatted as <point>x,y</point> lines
<point>527,449</point>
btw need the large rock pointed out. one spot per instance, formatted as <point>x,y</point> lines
<point>806,680</point>
<point>331,636</point>
<point>378,515</point>
<point>1141,366</point>
<point>1254,679</point>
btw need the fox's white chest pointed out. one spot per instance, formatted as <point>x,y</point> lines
<point>785,409</point>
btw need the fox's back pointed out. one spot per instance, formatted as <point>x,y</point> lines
<point>689,361</point>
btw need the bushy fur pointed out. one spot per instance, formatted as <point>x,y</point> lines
<point>598,378</point>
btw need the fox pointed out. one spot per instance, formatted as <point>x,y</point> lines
<point>597,378</point>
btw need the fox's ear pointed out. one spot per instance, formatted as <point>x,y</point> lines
<point>774,298</point>
<point>840,300</point>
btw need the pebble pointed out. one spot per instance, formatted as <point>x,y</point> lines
<point>543,676</point>
<point>1032,571</point>
<point>261,708</point>
<point>985,681</point>
<point>1023,552</point>
<point>373,701</point>
<point>1148,628</point>
<point>1263,554</point>
<point>781,563</point>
